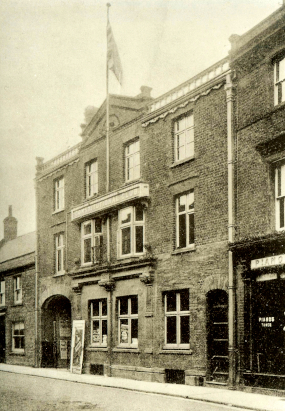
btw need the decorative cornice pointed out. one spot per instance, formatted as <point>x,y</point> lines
<point>182,105</point>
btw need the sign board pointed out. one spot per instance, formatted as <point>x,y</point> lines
<point>63,349</point>
<point>77,346</point>
<point>268,261</point>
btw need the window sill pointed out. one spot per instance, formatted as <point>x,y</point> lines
<point>17,304</point>
<point>181,351</point>
<point>93,348</point>
<point>20,353</point>
<point>180,162</point>
<point>126,349</point>
<point>130,182</point>
<point>59,274</point>
<point>131,257</point>
<point>184,250</point>
<point>57,211</point>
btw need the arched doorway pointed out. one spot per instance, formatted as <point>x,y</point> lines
<point>56,332</point>
<point>217,336</point>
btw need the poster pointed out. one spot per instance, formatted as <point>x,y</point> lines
<point>77,346</point>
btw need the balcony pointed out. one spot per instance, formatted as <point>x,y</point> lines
<point>110,201</point>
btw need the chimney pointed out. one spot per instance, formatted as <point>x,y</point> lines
<point>145,92</point>
<point>10,226</point>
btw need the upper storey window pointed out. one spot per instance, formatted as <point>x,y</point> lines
<point>185,227</point>
<point>280,197</point>
<point>184,137</point>
<point>59,194</point>
<point>2,292</point>
<point>91,241</point>
<point>91,178</point>
<point>131,231</point>
<point>18,290</point>
<point>279,80</point>
<point>132,161</point>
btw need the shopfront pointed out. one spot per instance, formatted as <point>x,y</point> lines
<point>263,280</point>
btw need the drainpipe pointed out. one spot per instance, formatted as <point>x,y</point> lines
<point>36,359</point>
<point>231,227</point>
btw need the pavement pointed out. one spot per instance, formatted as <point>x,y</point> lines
<point>239,399</point>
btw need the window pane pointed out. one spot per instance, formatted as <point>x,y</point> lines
<point>126,215</point>
<point>282,180</point>
<point>171,330</point>
<point>124,331</point>
<point>184,300</point>
<point>181,123</point>
<point>87,229</point>
<point>184,329</point>
<point>134,305</point>
<point>96,332</point>
<point>282,205</point>
<point>124,306</point>
<point>87,250</point>
<point>95,308</point>
<point>171,301</point>
<point>191,229</point>
<point>281,70</point>
<point>104,307</point>
<point>190,121</point>
<point>190,200</point>
<point>139,213</point>
<point>134,330</point>
<point>182,203</point>
<point>126,240</point>
<point>98,225</point>
<point>59,257</point>
<point>104,331</point>
<point>139,239</point>
<point>182,230</point>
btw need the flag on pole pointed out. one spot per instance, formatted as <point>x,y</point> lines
<point>113,58</point>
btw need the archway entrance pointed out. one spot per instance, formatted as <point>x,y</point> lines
<point>217,336</point>
<point>56,332</point>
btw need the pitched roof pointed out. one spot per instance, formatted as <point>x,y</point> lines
<point>20,246</point>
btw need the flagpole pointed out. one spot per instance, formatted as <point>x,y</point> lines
<point>107,114</point>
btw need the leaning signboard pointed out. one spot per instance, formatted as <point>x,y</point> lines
<point>77,346</point>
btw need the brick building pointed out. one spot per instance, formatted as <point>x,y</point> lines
<point>122,247</point>
<point>258,60</point>
<point>17,295</point>
<point>169,292</point>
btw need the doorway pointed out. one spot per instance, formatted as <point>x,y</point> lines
<point>217,336</point>
<point>56,332</point>
<point>2,339</point>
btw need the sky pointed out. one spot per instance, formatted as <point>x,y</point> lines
<point>53,65</point>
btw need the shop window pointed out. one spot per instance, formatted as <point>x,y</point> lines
<point>185,227</point>
<point>131,231</point>
<point>184,137</point>
<point>18,337</point>
<point>59,253</point>
<point>2,292</point>
<point>91,241</point>
<point>128,321</point>
<point>99,322</point>
<point>18,290</point>
<point>59,194</point>
<point>279,80</point>
<point>91,178</point>
<point>280,197</point>
<point>132,161</point>
<point>177,319</point>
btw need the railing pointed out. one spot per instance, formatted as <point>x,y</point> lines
<point>62,158</point>
<point>195,82</point>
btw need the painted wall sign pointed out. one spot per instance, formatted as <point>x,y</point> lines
<point>267,261</point>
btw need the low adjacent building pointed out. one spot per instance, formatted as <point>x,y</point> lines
<point>17,295</point>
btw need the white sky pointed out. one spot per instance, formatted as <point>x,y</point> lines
<point>52,66</point>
